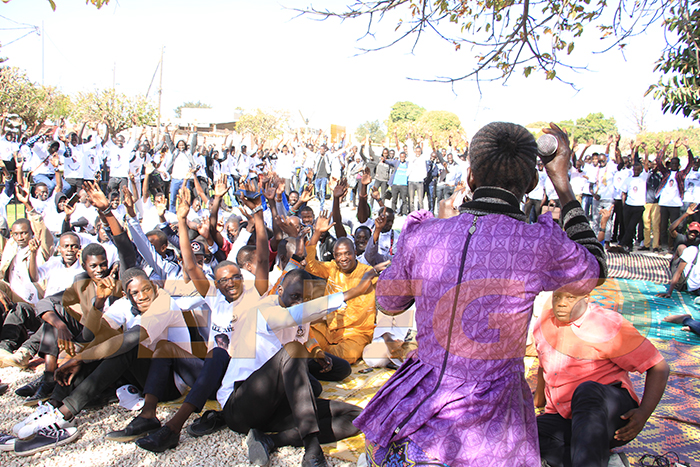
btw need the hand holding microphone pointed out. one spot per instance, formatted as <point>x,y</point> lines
<point>554,151</point>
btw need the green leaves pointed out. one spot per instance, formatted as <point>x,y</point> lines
<point>679,92</point>
<point>265,125</point>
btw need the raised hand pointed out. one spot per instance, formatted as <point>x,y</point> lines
<point>183,207</point>
<point>150,168</point>
<point>287,225</point>
<point>97,197</point>
<point>161,207</point>
<point>366,177</point>
<point>375,193</point>
<point>250,203</point>
<point>692,209</point>
<point>324,222</point>
<point>22,194</point>
<point>341,189</point>
<point>221,186</point>
<point>128,201</point>
<point>306,195</point>
<point>380,221</point>
<point>269,190</point>
<point>560,162</point>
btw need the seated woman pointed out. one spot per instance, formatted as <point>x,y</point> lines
<point>461,399</point>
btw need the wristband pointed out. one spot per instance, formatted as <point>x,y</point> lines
<point>106,210</point>
<point>258,209</point>
<point>314,347</point>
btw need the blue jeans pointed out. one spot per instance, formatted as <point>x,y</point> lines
<point>321,184</point>
<point>175,185</point>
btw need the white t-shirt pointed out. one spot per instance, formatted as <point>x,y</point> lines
<point>20,281</point>
<point>162,321</point>
<point>538,191</point>
<point>578,183</point>
<point>691,272</point>
<point>618,180</point>
<point>58,277</point>
<point>636,189</point>
<point>228,318</point>
<point>118,160</point>
<point>604,177</point>
<point>670,196</point>
<point>256,340</point>
<point>692,187</point>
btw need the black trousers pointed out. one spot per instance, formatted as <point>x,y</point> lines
<point>399,192</point>
<point>278,397</point>
<point>339,371</point>
<point>203,376</point>
<point>18,323</point>
<point>633,216</point>
<point>619,225</point>
<point>586,438</point>
<point>94,377</point>
<point>49,340</point>
<point>668,216</point>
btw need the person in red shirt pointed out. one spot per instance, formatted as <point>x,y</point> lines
<point>586,353</point>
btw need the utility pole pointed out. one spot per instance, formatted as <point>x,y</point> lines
<point>160,93</point>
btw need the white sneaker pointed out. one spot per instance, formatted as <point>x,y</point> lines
<point>53,419</point>
<point>42,408</point>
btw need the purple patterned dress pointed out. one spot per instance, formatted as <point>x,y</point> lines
<point>480,411</point>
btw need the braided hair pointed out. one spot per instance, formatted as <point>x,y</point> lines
<point>503,155</point>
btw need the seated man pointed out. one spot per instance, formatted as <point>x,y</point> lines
<point>267,388</point>
<point>147,317</point>
<point>685,273</point>
<point>231,299</point>
<point>585,354</point>
<point>346,332</point>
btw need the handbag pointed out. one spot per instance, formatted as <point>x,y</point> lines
<point>553,208</point>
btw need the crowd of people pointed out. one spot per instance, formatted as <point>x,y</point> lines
<point>190,267</point>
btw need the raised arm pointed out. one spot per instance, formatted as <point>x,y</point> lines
<point>576,225</point>
<point>220,190</point>
<point>363,208</point>
<point>189,262</point>
<point>270,193</point>
<point>339,192</point>
<point>262,247</point>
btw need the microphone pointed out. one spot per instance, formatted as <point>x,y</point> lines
<point>547,145</point>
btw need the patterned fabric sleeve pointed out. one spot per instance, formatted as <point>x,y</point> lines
<point>578,229</point>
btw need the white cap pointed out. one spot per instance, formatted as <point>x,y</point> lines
<point>130,398</point>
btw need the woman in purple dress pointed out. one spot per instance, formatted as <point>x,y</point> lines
<point>474,278</point>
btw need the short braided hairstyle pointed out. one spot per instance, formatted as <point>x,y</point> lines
<point>503,155</point>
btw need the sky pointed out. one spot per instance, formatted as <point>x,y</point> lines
<point>260,54</point>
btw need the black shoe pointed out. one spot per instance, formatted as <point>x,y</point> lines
<point>46,438</point>
<point>211,422</point>
<point>3,388</point>
<point>30,389</point>
<point>644,248</point>
<point>42,394</point>
<point>314,461</point>
<point>137,428</point>
<point>260,446</point>
<point>159,441</point>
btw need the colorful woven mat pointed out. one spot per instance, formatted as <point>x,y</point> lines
<point>357,389</point>
<point>638,302</point>
<point>638,266</point>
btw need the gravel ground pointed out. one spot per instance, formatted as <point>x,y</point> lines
<point>91,449</point>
